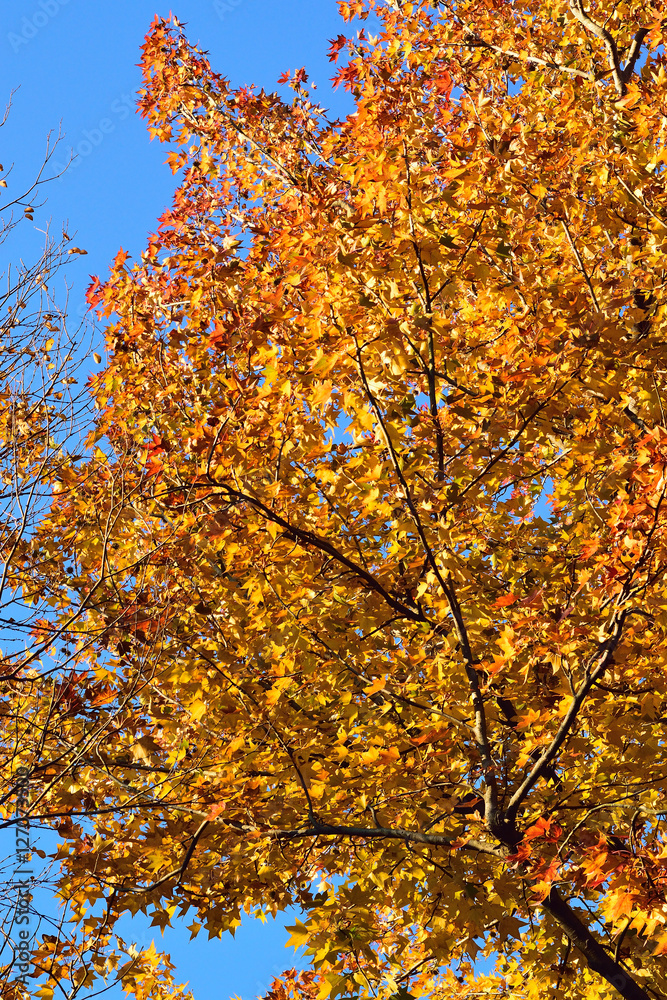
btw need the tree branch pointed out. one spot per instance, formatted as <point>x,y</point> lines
<point>191,849</point>
<point>320,829</point>
<point>447,587</point>
<point>597,957</point>
<point>619,74</point>
<point>476,41</point>
<point>633,54</point>
<point>580,262</point>
<point>604,658</point>
<point>307,537</point>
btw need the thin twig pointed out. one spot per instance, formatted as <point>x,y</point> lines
<point>580,263</point>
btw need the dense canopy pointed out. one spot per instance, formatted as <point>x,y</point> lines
<point>358,593</point>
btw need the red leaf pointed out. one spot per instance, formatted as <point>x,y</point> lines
<point>93,293</point>
<point>505,601</point>
<point>443,83</point>
<point>336,45</point>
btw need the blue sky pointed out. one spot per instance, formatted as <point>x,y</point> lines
<point>74,63</point>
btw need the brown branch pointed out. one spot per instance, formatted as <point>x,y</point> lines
<point>447,587</point>
<point>430,555</point>
<point>428,308</point>
<point>319,829</point>
<point>462,258</point>
<point>639,199</point>
<point>621,938</point>
<point>633,54</point>
<point>481,733</point>
<point>476,41</point>
<point>619,74</point>
<point>596,956</point>
<point>197,127</point>
<point>577,8</point>
<point>307,537</point>
<point>501,454</point>
<point>562,967</point>
<point>387,692</point>
<point>604,658</point>
<point>191,849</point>
<point>580,263</point>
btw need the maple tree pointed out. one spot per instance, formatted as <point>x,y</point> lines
<point>362,580</point>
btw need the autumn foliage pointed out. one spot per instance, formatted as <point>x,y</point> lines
<point>361,582</point>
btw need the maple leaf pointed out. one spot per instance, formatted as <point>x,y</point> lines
<point>347,75</point>
<point>336,44</point>
<point>93,292</point>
